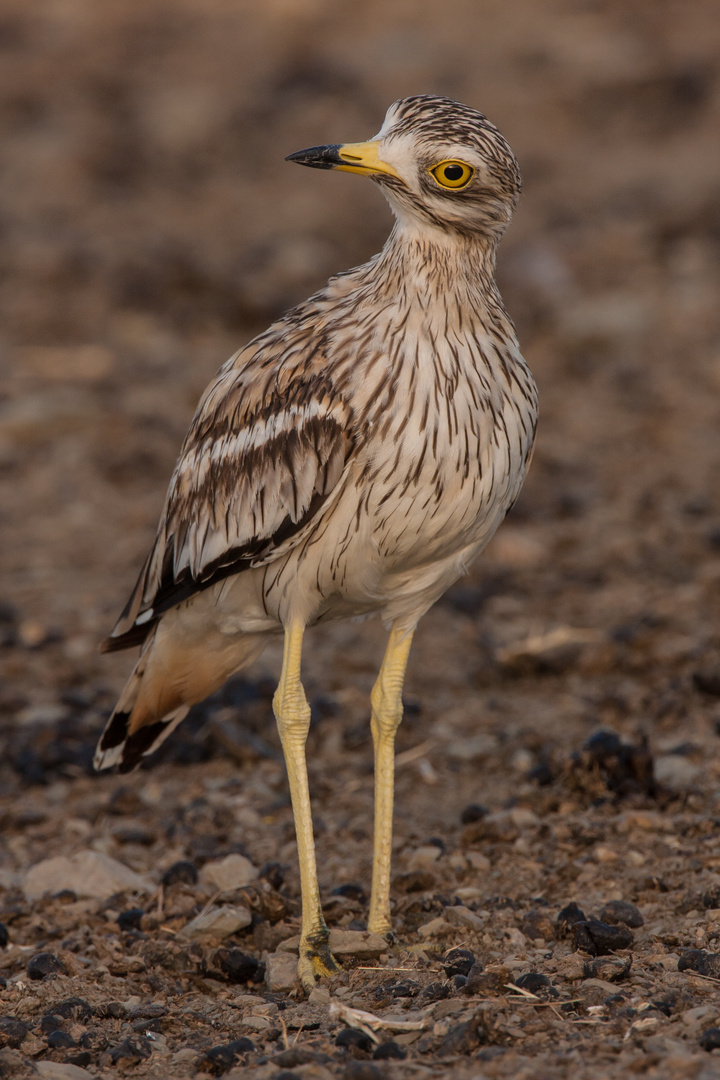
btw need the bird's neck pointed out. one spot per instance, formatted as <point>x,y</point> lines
<point>435,263</point>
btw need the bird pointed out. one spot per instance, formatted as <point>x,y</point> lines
<point>351,460</point>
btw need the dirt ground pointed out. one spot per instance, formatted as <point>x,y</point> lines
<point>562,734</point>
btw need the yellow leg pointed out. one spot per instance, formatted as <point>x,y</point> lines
<point>292,713</point>
<point>386,700</point>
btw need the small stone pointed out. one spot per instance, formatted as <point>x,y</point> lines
<point>87,873</point>
<point>232,872</point>
<point>4,936</point>
<point>60,1040</point>
<point>675,772</point>
<point>610,969</point>
<point>486,983</point>
<point>465,1038</point>
<point>436,927</point>
<point>221,1058</point>
<point>130,919</point>
<point>354,1038</point>
<point>281,972</point>
<point>599,939</point>
<point>710,1039</point>
<point>217,923</point>
<point>699,960</point>
<point>566,919</point>
<point>389,1051</point>
<point>351,891</point>
<point>239,966</point>
<point>457,962</point>
<point>538,925</point>
<point>423,857</point>
<point>621,911</point>
<point>293,1057</point>
<point>131,1050</point>
<point>42,965</point>
<point>12,1032</point>
<point>472,813</point>
<point>458,915</point>
<point>62,1070</point>
<point>180,873</point>
<point>536,983</point>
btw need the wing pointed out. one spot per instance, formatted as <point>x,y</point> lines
<point>264,453</point>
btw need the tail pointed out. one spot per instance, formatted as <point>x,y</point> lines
<point>174,671</point>
<point>124,745</point>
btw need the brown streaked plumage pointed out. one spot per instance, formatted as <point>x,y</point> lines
<point>352,459</point>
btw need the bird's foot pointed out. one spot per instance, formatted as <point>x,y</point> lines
<point>316,961</point>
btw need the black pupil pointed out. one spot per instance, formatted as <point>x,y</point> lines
<point>453,172</point>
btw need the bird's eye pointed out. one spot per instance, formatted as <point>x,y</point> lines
<point>453,174</point>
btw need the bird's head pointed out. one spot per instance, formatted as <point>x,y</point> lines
<point>438,162</point>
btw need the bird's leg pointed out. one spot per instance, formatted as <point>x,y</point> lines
<point>292,713</point>
<point>386,700</point>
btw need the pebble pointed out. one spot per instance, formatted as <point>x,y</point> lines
<point>457,962</point>
<point>675,772</point>
<point>180,873</point>
<point>710,1039</point>
<point>43,964</point>
<point>223,1057</point>
<point>87,873</point>
<point>566,919</point>
<point>217,923</point>
<point>598,939</point>
<point>536,983</point>
<point>239,966</point>
<point>4,936</point>
<point>621,911</point>
<point>12,1031</point>
<point>60,1040</point>
<point>130,919</point>
<point>435,928</point>
<point>281,971</point>
<point>62,1070</point>
<point>610,969</point>
<point>538,925</point>
<point>355,1038</point>
<point>232,872</point>
<point>472,813</point>
<point>699,960</point>
<point>423,857</point>
<point>458,915</point>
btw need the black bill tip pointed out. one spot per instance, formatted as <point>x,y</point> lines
<point>318,157</point>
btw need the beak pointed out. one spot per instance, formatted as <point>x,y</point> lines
<point>346,157</point>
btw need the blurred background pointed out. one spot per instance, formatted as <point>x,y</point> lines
<point>149,226</point>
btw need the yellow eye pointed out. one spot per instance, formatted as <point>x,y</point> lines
<point>453,174</point>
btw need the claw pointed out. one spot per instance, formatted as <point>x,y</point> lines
<point>316,961</point>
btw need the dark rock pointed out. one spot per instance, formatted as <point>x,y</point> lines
<point>700,960</point>
<point>625,768</point>
<point>147,1012</point>
<point>536,983</point>
<point>180,873</point>
<point>111,1010</point>
<point>221,1058</point>
<point>459,982</point>
<point>466,1037</point>
<point>599,939</point>
<point>351,891</point>
<point>621,911</point>
<point>12,1032</point>
<point>567,918</point>
<point>472,813</point>
<point>415,881</point>
<point>50,1022</point>
<point>60,1040</point>
<point>131,1050</point>
<point>354,1039</point>
<point>296,1055</point>
<point>389,1051</point>
<point>362,1070</point>
<point>42,965</point>
<point>238,966</point>
<point>608,968</point>
<point>143,1026</point>
<point>710,1039</point>
<point>82,1060</point>
<point>4,936</point>
<point>457,962</point>
<point>538,924</point>
<point>486,983</point>
<point>273,873</point>
<point>707,680</point>
<point>130,919</point>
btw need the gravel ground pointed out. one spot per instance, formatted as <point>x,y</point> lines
<point>562,726</point>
